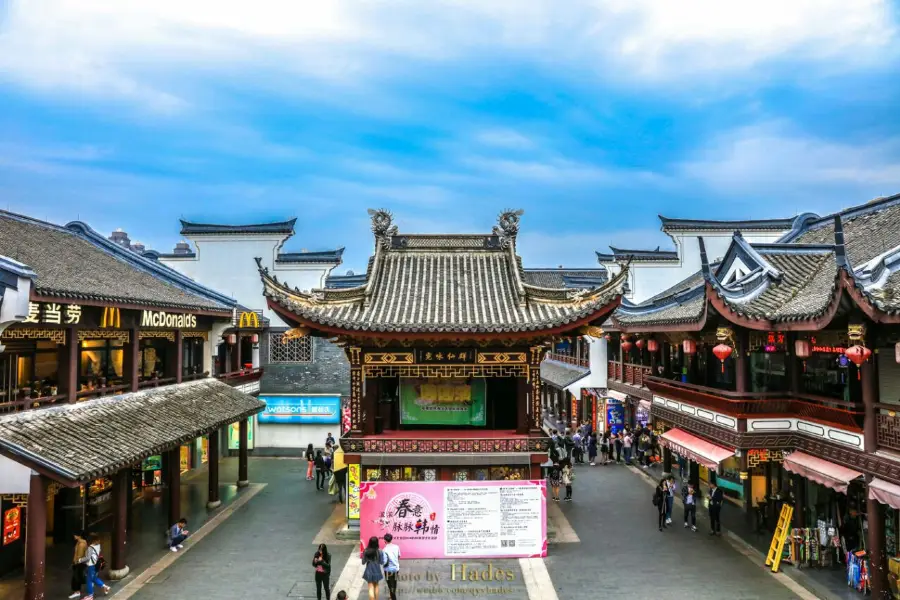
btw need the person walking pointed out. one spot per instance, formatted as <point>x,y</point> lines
<point>619,443</point>
<point>392,564</point>
<point>78,566</point>
<point>321,467</point>
<point>93,564</point>
<point>690,497</point>
<point>322,565</point>
<point>373,559</point>
<point>554,478</point>
<point>716,498</point>
<point>670,498</point>
<point>310,462</point>
<point>592,448</point>
<point>328,456</point>
<point>659,501</point>
<point>568,478</point>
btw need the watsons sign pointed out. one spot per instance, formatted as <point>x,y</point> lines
<point>150,318</point>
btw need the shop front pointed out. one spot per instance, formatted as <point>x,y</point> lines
<point>291,422</point>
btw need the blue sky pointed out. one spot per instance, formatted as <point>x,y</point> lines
<point>593,116</point>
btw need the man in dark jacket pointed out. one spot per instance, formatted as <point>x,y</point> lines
<point>716,499</point>
<point>569,444</point>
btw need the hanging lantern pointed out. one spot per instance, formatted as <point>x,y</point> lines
<point>607,337</point>
<point>652,345</point>
<point>232,339</point>
<point>626,346</point>
<point>640,343</point>
<point>689,346</point>
<point>897,352</point>
<point>801,349</point>
<point>255,338</point>
<point>858,354</point>
<point>722,351</point>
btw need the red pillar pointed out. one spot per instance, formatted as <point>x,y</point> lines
<point>238,359</point>
<point>742,360</point>
<point>132,359</point>
<point>174,484</point>
<point>243,478</point>
<point>36,538</point>
<point>213,501</point>
<point>869,384</point>
<point>68,366</point>
<point>118,567</point>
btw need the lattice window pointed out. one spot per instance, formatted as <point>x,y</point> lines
<point>291,350</point>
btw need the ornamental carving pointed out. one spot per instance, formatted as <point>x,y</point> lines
<point>443,371</point>
<point>203,335</point>
<point>166,335</point>
<point>20,500</point>
<point>389,358</point>
<point>407,446</point>
<point>507,227</point>
<point>103,334</point>
<point>383,226</point>
<point>501,358</point>
<point>30,333</point>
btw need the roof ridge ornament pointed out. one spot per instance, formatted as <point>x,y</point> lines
<point>383,226</point>
<point>840,251</point>
<point>507,227</point>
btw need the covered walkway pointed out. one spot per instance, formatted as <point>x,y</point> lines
<point>75,444</point>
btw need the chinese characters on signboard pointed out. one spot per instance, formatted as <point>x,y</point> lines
<point>445,356</point>
<point>12,525</point>
<point>51,313</point>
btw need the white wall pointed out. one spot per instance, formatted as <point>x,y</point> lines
<point>227,264</point>
<point>285,435</point>
<point>14,478</point>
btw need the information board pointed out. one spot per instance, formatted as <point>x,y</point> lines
<point>442,401</point>
<point>301,409</point>
<point>457,519</point>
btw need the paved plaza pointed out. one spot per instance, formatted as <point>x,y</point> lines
<point>264,549</point>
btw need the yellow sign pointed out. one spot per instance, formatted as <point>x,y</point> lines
<point>53,314</point>
<point>249,320</point>
<point>112,317</point>
<point>353,491</point>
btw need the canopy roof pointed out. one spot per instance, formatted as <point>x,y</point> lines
<point>461,284</point>
<point>282,227</point>
<point>76,443</point>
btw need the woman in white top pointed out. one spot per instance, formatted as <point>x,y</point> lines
<point>92,560</point>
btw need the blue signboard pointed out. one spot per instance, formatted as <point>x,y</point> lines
<point>301,409</point>
<point>615,416</point>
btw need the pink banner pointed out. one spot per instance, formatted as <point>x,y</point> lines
<point>452,519</point>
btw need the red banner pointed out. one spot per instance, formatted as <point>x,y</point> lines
<point>12,525</point>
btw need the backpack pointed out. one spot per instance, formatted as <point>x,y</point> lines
<point>656,498</point>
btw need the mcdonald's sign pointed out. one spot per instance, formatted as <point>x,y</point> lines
<point>249,320</point>
<point>112,317</point>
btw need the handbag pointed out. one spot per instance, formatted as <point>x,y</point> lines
<point>332,486</point>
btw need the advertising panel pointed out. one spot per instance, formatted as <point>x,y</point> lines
<point>615,416</point>
<point>457,519</point>
<point>234,435</point>
<point>301,409</point>
<point>353,508</point>
<point>443,401</point>
<point>12,525</point>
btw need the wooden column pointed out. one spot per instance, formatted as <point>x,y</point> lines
<point>667,462</point>
<point>35,538</point>
<point>243,478</point>
<point>654,363</point>
<point>213,456</point>
<point>175,358</point>
<point>792,365</point>
<point>681,362</point>
<point>68,366</point>
<point>869,385</point>
<point>118,566</point>
<point>370,405</point>
<point>742,360</point>
<point>878,573</point>
<point>799,486</point>
<point>521,405</point>
<point>748,488</point>
<point>239,359</point>
<point>131,359</point>
<point>666,360</point>
<point>173,481</point>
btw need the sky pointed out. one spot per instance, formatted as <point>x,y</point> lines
<point>592,116</point>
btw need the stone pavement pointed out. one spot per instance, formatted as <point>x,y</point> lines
<point>623,554</point>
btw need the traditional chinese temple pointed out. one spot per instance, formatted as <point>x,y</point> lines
<point>445,338</point>
<point>773,371</point>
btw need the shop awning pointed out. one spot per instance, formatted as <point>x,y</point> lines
<point>617,395</point>
<point>821,471</point>
<point>885,492</point>
<point>644,405</point>
<point>694,448</point>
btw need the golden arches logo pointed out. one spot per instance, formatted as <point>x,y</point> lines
<point>112,317</point>
<point>249,320</point>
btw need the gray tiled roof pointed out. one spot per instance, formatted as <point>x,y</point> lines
<point>83,267</point>
<point>561,375</point>
<point>345,281</point>
<point>84,441</point>
<point>445,283</point>
<point>690,310</point>
<point>188,228</point>
<point>566,278</point>
<point>669,224</point>
<point>322,256</point>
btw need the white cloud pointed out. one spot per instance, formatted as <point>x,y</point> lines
<point>772,156</point>
<point>153,52</point>
<point>508,139</point>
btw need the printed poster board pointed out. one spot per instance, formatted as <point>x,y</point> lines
<point>457,519</point>
<point>455,401</point>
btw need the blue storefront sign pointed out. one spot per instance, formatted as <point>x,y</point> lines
<point>615,416</point>
<point>301,409</point>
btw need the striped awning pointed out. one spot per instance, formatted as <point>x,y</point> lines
<point>694,448</point>
<point>816,469</point>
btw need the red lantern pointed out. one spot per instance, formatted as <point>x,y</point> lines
<point>640,343</point>
<point>689,346</point>
<point>232,339</point>
<point>626,346</point>
<point>722,351</point>
<point>607,337</point>
<point>801,349</point>
<point>652,345</point>
<point>255,338</point>
<point>858,354</point>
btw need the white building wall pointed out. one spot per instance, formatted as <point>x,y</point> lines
<point>297,437</point>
